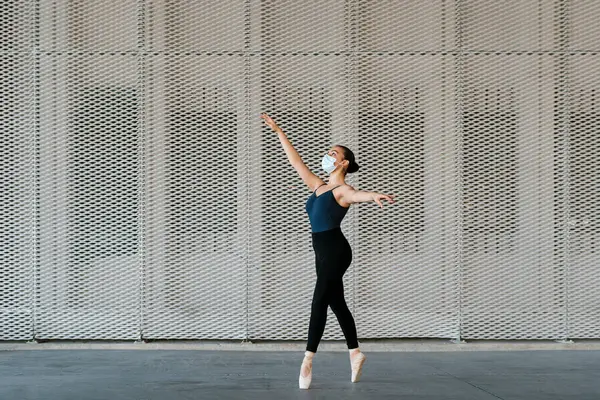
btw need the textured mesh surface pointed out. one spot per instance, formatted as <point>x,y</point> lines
<point>143,197</point>
<point>17,195</point>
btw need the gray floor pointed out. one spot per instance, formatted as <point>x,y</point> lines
<point>210,374</point>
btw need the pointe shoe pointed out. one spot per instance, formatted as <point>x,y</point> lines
<point>357,365</point>
<point>304,381</point>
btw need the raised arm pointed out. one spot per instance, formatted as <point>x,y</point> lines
<point>310,179</point>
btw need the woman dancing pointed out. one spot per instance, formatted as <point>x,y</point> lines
<point>326,210</point>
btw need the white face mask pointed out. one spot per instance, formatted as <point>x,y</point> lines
<point>328,163</point>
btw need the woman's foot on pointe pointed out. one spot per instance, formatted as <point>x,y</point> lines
<point>357,359</point>
<point>306,370</point>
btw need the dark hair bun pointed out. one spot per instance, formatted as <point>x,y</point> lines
<point>353,167</point>
<point>349,155</point>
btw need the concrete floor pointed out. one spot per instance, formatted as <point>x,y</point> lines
<point>217,374</point>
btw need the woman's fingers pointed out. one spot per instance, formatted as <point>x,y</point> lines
<point>266,117</point>
<point>378,198</point>
<point>268,123</point>
<point>268,120</point>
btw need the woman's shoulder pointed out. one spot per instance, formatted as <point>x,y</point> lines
<point>345,188</point>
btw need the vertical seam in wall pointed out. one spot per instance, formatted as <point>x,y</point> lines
<point>246,50</point>
<point>443,135</point>
<point>141,161</point>
<point>459,163</point>
<point>539,156</point>
<point>36,166</point>
<point>565,76</point>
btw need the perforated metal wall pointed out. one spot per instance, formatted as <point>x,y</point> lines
<point>143,197</point>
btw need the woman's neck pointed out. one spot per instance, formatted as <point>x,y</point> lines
<point>336,179</point>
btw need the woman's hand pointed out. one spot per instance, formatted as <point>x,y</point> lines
<point>377,197</point>
<point>269,121</point>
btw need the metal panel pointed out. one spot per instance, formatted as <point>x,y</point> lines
<point>584,29</point>
<point>17,195</point>
<point>89,280</point>
<point>107,25</point>
<point>511,287</point>
<point>17,24</point>
<point>406,25</point>
<point>195,275</point>
<point>189,25</point>
<point>583,221</point>
<point>407,280</point>
<point>510,25</point>
<point>299,26</point>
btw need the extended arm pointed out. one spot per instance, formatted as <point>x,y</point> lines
<point>361,196</point>
<point>294,158</point>
<point>352,195</point>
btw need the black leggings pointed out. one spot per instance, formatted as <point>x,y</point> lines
<point>333,256</point>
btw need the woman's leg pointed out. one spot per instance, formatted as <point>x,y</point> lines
<point>343,314</point>
<point>318,314</point>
